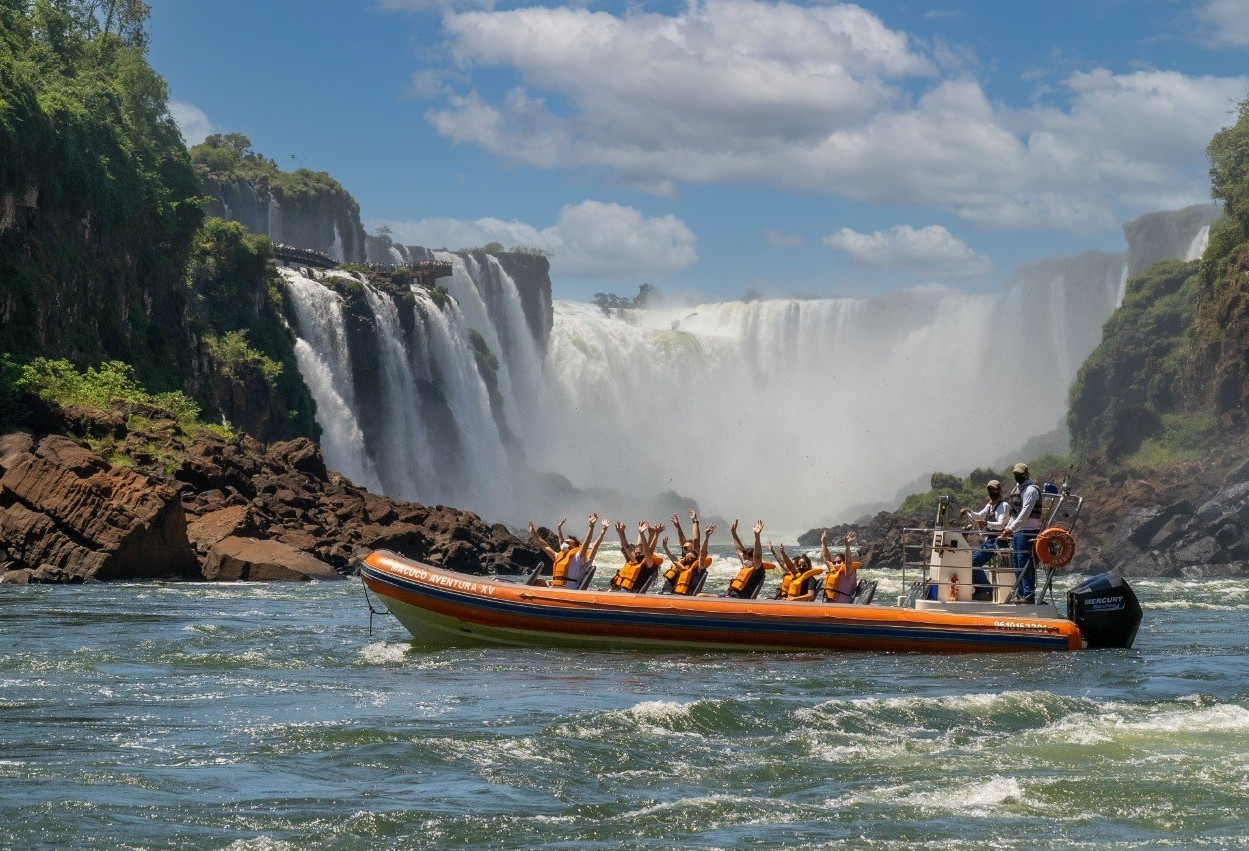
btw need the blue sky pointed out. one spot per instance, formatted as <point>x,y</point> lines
<point>720,147</point>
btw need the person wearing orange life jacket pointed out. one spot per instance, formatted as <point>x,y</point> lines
<point>573,559</point>
<point>842,579</point>
<point>805,581</point>
<point>747,581</point>
<point>789,572</point>
<point>685,575</point>
<point>689,547</point>
<point>641,563</point>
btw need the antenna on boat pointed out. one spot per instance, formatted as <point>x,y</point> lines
<point>943,506</point>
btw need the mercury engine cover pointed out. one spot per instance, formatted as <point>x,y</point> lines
<point>1106,610</point>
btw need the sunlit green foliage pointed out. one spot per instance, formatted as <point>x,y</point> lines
<point>110,384</point>
<point>107,200</point>
<point>231,352</point>
<point>237,303</point>
<point>229,158</point>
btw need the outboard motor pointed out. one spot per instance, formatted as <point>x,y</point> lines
<point>1106,610</point>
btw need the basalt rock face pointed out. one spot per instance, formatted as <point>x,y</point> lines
<point>200,506</point>
<point>69,516</point>
<point>1192,520</point>
<point>326,220</point>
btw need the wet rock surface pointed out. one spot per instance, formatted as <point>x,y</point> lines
<point>158,503</point>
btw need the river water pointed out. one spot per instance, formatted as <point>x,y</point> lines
<point>249,716</point>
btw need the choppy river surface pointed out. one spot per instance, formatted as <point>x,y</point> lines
<point>238,717</point>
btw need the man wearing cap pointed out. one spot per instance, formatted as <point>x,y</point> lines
<point>993,516</point>
<point>1021,531</point>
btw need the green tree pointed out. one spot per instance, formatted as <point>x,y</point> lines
<point>1229,167</point>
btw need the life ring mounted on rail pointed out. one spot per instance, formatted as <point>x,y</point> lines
<point>1055,547</point>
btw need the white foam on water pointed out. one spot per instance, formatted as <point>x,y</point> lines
<point>719,801</point>
<point>1118,722</point>
<point>980,703</point>
<point>384,652</point>
<point>978,799</point>
<point>261,843</point>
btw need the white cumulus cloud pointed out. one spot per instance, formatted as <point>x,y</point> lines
<point>590,240</point>
<point>192,122</point>
<point>1226,22</point>
<point>930,249</point>
<point>822,98</point>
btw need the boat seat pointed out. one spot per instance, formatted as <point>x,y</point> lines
<point>535,573</point>
<point>864,592</point>
<point>587,578</point>
<point>699,582</point>
<point>648,581</point>
<point>755,585</point>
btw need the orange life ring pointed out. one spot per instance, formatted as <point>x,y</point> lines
<point>1055,547</point>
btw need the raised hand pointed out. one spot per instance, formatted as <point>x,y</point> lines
<point>758,527</point>
<point>675,520</point>
<point>850,536</point>
<point>693,515</point>
<point>710,529</point>
<point>594,519</point>
<point>824,537</point>
<point>620,527</point>
<point>733,528</point>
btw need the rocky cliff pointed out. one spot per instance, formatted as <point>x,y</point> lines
<point>159,501</point>
<point>325,218</point>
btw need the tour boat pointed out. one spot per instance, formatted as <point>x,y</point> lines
<point>937,614</point>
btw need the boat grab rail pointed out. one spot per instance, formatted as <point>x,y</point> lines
<point>926,535</point>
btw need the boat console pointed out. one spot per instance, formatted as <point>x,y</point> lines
<point>1104,606</point>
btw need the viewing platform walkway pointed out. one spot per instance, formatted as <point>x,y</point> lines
<point>423,272</point>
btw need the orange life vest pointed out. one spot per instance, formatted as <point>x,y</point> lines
<point>798,585</point>
<point>559,569</point>
<point>742,579</point>
<point>831,594</point>
<point>627,577</point>
<point>787,583</point>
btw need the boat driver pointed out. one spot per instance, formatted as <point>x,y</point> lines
<point>1022,530</point>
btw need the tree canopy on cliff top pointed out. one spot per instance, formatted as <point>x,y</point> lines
<point>230,158</point>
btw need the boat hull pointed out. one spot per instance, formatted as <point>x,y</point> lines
<point>444,607</point>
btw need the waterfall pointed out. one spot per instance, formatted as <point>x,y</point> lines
<point>322,353</point>
<point>479,476</point>
<point>1198,246</point>
<point>490,303</point>
<point>795,410</point>
<point>414,420</point>
<point>407,457</point>
<point>273,220</point>
<point>336,247</point>
<point>790,410</point>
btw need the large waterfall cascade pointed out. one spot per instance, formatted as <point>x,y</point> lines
<point>788,410</point>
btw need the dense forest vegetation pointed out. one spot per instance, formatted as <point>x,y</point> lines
<point>105,254</point>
